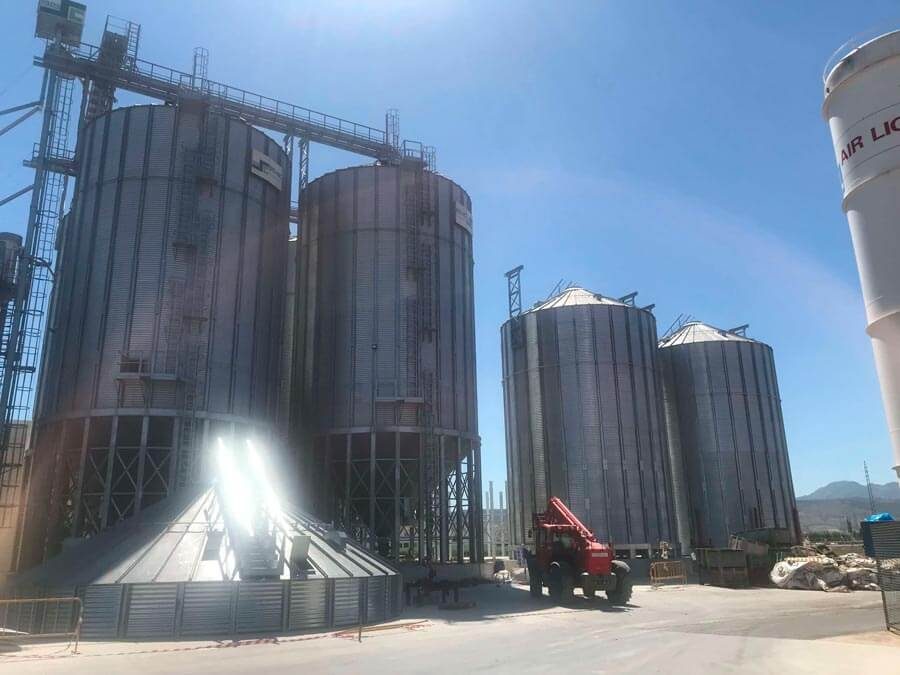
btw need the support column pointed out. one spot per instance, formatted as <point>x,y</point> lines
<point>445,502</point>
<point>326,507</point>
<point>458,498</point>
<point>76,518</point>
<point>479,538</point>
<point>176,454</point>
<point>471,492</point>
<point>142,458</point>
<point>347,471</point>
<point>424,537</point>
<point>373,536</point>
<point>395,546</point>
<point>110,459</point>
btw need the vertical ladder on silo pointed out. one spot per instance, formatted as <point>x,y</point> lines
<point>411,216</point>
<point>196,224</point>
<point>433,472</point>
<point>28,312</point>
<point>185,244</point>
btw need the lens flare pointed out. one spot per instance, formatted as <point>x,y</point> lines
<point>238,500</point>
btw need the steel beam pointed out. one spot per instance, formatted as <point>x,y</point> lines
<point>14,195</point>
<point>21,118</point>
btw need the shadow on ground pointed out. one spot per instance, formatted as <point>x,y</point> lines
<point>492,601</point>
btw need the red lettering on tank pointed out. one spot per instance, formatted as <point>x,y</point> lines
<point>894,124</point>
<point>856,144</point>
<point>876,137</point>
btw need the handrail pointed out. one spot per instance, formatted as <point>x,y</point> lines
<point>667,570</point>
<point>855,43</point>
<point>74,633</point>
<point>169,76</point>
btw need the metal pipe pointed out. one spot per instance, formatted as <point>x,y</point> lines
<point>24,190</point>
<point>21,118</point>
<point>17,108</point>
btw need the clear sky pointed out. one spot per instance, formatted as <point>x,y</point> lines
<point>672,148</point>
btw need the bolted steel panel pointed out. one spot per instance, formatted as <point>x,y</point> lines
<point>207,608</point>
<point>171,278</point>
<point>309,605</point>
<point>151,610</point>
<point>259,606</point>
<point>384,306</point>
<point>730,434</point>
<point>101,611</point>
<point>377,599</point>
<point>596,391</point>
<point>347,601</point>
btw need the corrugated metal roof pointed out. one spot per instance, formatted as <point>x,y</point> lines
<point>575,296</point>
<point>166,543</point>
<point>697,331</point>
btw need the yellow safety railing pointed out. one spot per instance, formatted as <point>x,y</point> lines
<point>667,570</point>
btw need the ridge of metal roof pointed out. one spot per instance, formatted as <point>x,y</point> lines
<point>574,296</point>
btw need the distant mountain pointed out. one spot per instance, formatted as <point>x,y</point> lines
<point>823,515</point>
<point>849,489</point>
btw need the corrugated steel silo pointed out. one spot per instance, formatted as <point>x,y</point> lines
<point>384,395</point>
<point>287,347</point>
<point>166,323</point>
<point>11,483</point>
<point>584,420</point>
<point>730,433</point>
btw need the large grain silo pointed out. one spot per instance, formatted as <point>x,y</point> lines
<point>384,394</point>
<point>727,426</point>
<point>583,418</point>
<point>166,322</point>
<point>863,113</point>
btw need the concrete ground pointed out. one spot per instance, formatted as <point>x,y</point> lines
<point>677,629</point>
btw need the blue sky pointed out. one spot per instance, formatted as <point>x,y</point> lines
<point>676,149</point>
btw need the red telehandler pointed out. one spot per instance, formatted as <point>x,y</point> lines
<point>568,556</point>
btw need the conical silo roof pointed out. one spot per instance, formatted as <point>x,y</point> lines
<point>573,296</point>
<point>697,331</point>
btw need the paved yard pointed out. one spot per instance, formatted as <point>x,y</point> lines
<point>690,629</point>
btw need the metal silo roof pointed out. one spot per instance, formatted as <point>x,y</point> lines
<point>575,296</point>
<point>697,331</point>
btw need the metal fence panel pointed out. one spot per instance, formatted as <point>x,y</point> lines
<point>259,606</point>
<point>207,608</point>
<point>346,601</point>
<point>376,600</point>
<point>102,609</point>
<point>309,606</point>
<point>151,610</point>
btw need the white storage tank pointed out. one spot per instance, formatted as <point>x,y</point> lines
<point>862,108</point>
